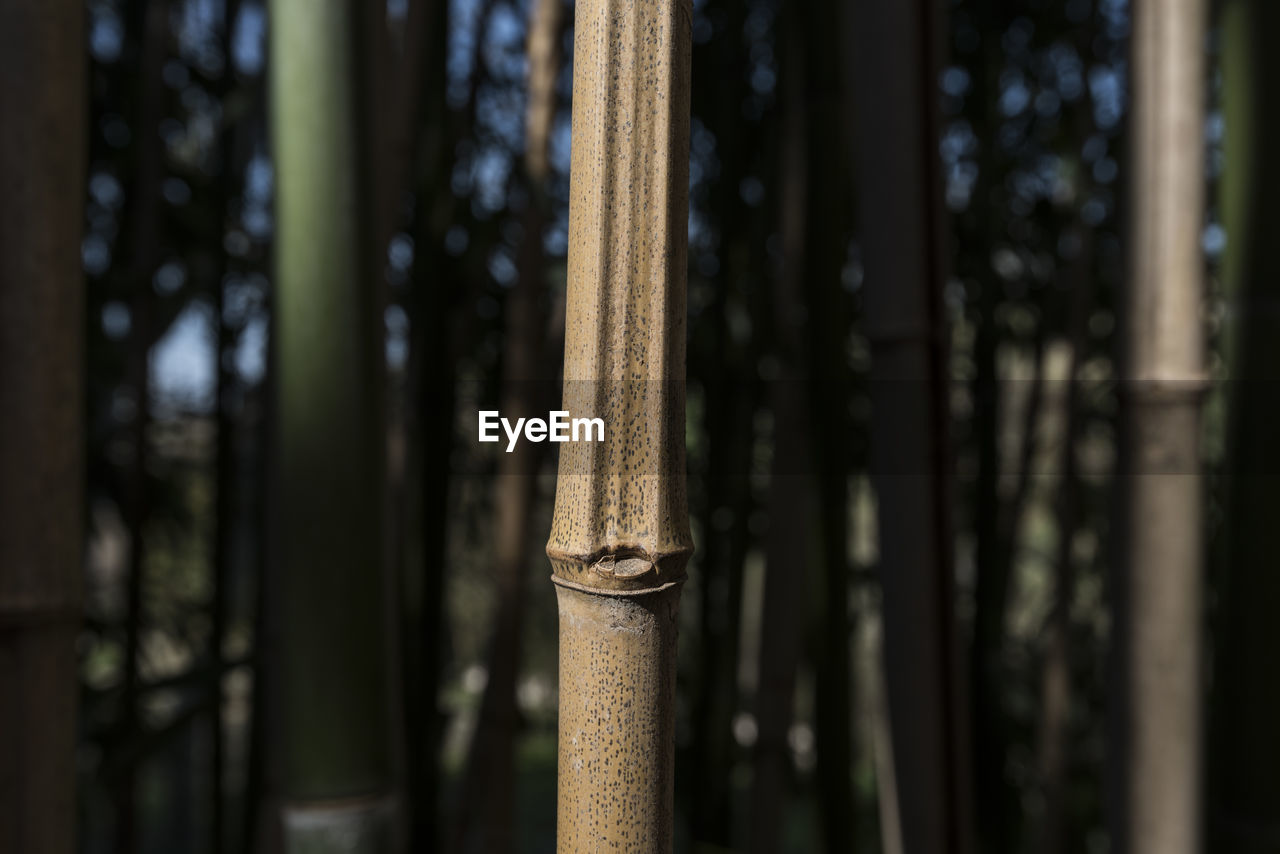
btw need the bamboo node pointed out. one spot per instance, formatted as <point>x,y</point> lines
<point>623,569</point>
<point>629,564</point>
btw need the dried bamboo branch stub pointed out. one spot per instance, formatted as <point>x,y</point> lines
<point>42,108</point>
<point>1158,603</point>
<point>620,534</point>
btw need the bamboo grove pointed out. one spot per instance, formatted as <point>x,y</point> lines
<point>923,356</point>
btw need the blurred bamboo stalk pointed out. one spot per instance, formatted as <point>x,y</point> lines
<point>728,369</point>
<point>1156,751</point>
<point>42,90</point>
<point>828,226</point>
<point>789,552</point>
<point>897,176</point>
<point>620,536</point>
<point>487,815</point>
<point>430,406</point>
<point>997,818</point>
<point>224,456</point>
<point>336,772</point>
<point>1245,800</point>
<point>151,22</point>
<point>543,51</point>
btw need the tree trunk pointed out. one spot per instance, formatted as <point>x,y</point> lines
<point>620,536</point>
<point>42,106</point>
<point>1246,701</point>
<point>898,182</point>
<point>336,770</point>
<point>1157,608</point>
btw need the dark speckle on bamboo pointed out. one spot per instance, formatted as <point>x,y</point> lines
<point>620,536</point>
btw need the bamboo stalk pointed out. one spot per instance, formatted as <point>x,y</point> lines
<point>224,458</point>
<point>899,205</point>
<point>1244,816</point>
<point>620,536</point>
<point>151,22</point>
<point>1157,749</point>
<point>487,815</point>
<point>789,555</point>
<point>711,749</point>
<point>828,219</point>
<point>431,405</point>
<point>42,106</point>
<point>336,771</point>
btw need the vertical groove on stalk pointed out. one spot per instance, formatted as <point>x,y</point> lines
<point>620,534</point>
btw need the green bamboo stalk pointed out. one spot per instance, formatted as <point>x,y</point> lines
<point>42,108</point>
<point>1244,807</point>
<point>336,774</point>
<point>620,536</point>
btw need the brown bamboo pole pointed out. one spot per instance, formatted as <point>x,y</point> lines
<point>620,536</point>
<point>1157,749</point>
<point>42,106</point>
<point>899,211</point>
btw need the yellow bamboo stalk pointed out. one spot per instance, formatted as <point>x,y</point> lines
<point>620,536</point>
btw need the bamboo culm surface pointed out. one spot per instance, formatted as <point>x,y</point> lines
<point>620,536</point>
<point>1155,749</point>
